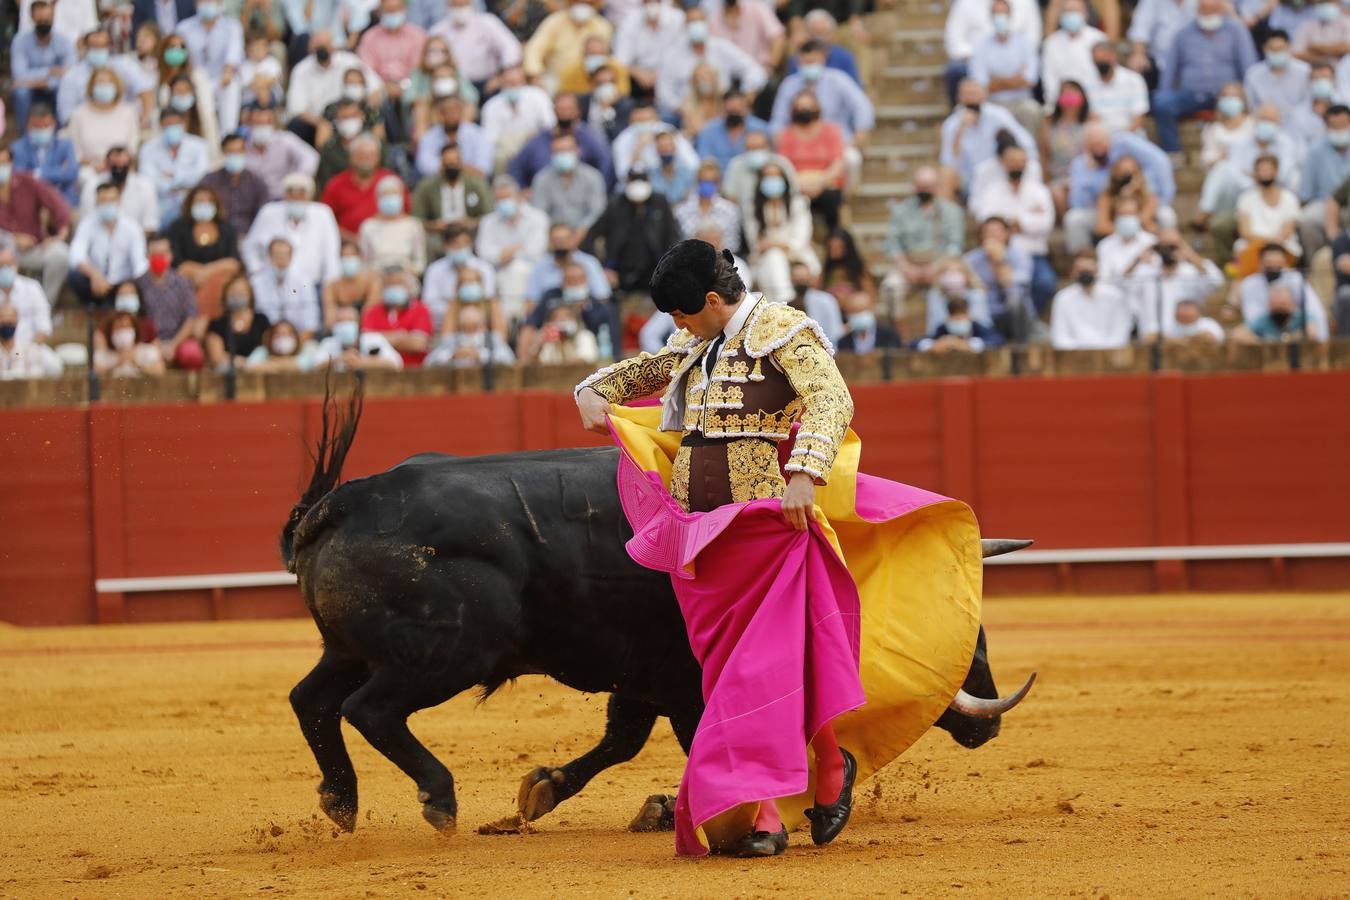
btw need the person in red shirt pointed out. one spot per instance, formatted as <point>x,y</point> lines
<point>816,150</point>
<point>401,317</point>
<point>351,194</point>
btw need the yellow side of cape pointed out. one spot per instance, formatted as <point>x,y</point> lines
<point>919,578</point>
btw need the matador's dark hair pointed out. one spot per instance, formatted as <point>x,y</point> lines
<point>688,271</point>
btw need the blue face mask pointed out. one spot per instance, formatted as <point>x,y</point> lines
<point>104,92</point>
<point>173,134</point>
<point>390,204</point>
<point>756,159</point>
<point>41,137</point>
<point>203,212</point>
<point>182,102</point>
<point>812,71</point>
<point>698,32</point>
<point>960,327</point>
<point>862,321</point>
<point>209,11</point>
<point>393,21</point>
<point>296,209</point>
<point>346,333</point>
<point>565,161</point>
<point>1001,22</point>
<point>351,265</point>
<point>1278,59</point>
<point>1322,88</point>
<point>1072,22</point>
<point>507,206</point>
<point>458,256</point>
<point>97,57</point>
<point>575,294</point>
<point>1266,132</point>
<point>107,212</point>
<point>472,292</point>
<point>1230,106</point>
<point>773,186</point>
<point>7,276</point>
<point>235,163</point>
<point>1127,226</point>
<point>707,189</point>
<point>395,295</point>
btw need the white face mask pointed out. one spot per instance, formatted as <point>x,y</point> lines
<point>124,338</point>
<point>284,344</point>
<point>638,191</point>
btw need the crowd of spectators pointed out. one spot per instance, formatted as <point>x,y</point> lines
<point>280,186</point>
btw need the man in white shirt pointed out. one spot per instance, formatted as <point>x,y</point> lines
<point>107,250</point>
<point>215,43</point>
<point>515,114</point>
<point>25,295</point>
<point>70,18</point>
<point>970,21</point>
<point>480,43</point>
<point>1117,95</point>
<point>306,224</point>
<point>21,358</point>
<point>1169,274</point>
<point>350,349</point>
<point>1126,245</point>
<point>174,162</point>
<point>137,199</point>
<point>1008,65</point>
<point>512,238</point>
<point>673,82</point>
<point>316,81</point>
<point>1227,181</point>
<point>1090,315</point>
<point>441,282</point>
<point>970,136</point>
<point>74,85</point>
<point>643,38</point>
<point>635,146</point>
<point>1019,197</point>
<point>1188,325</point>
<point>282,293</point>
<point>1279,79</point>
<point>1067,53</point>
<point>273,153</point>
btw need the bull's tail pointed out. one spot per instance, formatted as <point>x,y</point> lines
<point>336,435</point>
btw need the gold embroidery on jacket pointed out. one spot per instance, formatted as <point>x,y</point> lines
<point>752,467</point>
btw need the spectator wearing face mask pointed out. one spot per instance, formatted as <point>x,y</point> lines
<point>864,332</point>
<point>368,108</point>
<point>727,137</point>
<point>1169,274</point>
<point>1231,126</point>
<point>282,350</point>
<point>1267,213</point>
<point>512,239</point>
<point>472,344</point>
<point>593,148</point>
<point>636,146</point>
<point>1020,198</point>
<point>199,117</point>
<point>632,234</point>
<point>131,86</point>
<point>239,192</point>
<point>1205,54</point>
<point>1226,182</point>
<point>1128,245</point>
<point>1255,292</point>
<point>473,289</point>
<point>479,42</point>
<point>955,281</point>
<point>1281,322</point>
<point>402,318</point>
<point>923,229</point>
<point>779,233</point>
<point>818,24</point>
<point>697,48</point>
<point>558,44</point>
<point>1090,175</point>
<point>514,114</point>
<point>452,196</point>
<point>282,293</point>
<point>355,285</point>
<point>138,200</point>
<point>1067,53</point>
<point>215,43</point>
<point>351,349</point>
<point>968,22</point>
<point>605,108</point>
<point>707,205</point>
<point>595,56</point>
<point>392,48</point>
<point>21,358</point>
<point>238,331</point>
<point>107,249</point>
<point>437,77</point>
<point>273,153</point>
<point>1118,95</point>
<point>102,121</point>
<point>569,191</point>
<point>316,82</point>
<point>46,155</point>
<point>672,177</point>
<point>1307,123</point>
<point>1279,79</point>
<point>959,333</point>
<point>170,302</point>
<point>205,246</point>
<point>350,125</point>
<point>574,295</point>
<point>1325,170</point>
<point>38,56</point>
<point>1008,66</point>
<point>302,222</point>
<point>1061,140</point>
<point>441,283</point>
<point>970,136</point>
<point>752,26</point>
<point>1325,38</point>
<point>1088,314</point>
<point>126,344</point>
<point>352,194</point>
<point>821,306</point>
<point>839,100</point>
<point>1189,326</point>
<point>174,162</point>
<point>26,296</point>
<point>392,238</point>
<point>260,75</point>
<point>817,151</point>
<point>36,217</point>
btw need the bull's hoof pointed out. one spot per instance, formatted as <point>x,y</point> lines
<point>657,814</point>
<point>338,805</point>
<point>538,794</point>
<point>441,815</point>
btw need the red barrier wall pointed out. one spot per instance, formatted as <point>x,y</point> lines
<point>1091,462</point>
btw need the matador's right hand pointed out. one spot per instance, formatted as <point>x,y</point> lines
<point>594,411</point>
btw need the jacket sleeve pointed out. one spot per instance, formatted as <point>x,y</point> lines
<point>633,378</point>
<point>827,406</point>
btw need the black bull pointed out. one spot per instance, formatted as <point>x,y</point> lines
<point>446,573</point>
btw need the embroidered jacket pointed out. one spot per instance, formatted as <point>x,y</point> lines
<point>776,370</point>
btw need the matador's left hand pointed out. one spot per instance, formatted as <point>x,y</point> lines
<point>799,501</point>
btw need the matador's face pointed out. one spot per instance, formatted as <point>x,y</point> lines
<point>707,322</point>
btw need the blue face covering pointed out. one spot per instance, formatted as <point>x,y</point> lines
<point>346,333</point>
<point>773,186</point>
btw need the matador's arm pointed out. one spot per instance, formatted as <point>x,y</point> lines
<point>632,378</point>
<point>827,406</point>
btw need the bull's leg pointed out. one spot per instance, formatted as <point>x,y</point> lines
<point>380,710</point>
<point>658,810</point>
<point>627,728</point>
<point>317,701</point>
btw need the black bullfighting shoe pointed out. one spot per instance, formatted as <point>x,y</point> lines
<point>763,843</point>
<point>828,821</point>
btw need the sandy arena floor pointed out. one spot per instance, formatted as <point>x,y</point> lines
<point>1175,746</point>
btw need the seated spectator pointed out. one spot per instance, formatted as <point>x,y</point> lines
<point>480,42</point>
<point>557,46</point>
<point>605,109</point>
<point>281,292</point>
<point>635,147</point>
<point>1231,126</point>
<point>595,56</point>
<point>171,303</point>
<point>352,194</point>
<point>1089,314</point>
<point>239,191</point>
<point>392,237</point>
<point>1340,264</point>
<point>441,284</point>
<point>107,249</point>
<point>191,85</point>
<point>816,150</point>
<point>565,339</point>
<point>1066,54</point>
<point>27,298</point>
<point>316,82</point>
<point>1167,275</point>
<point>697,47</point>
<point>352,349</point>
<point>260,74</point>
<point>473,289</point>
<point>569,191</point>
<point>725,137</point>
<point>968,22</point>
<point>1268,213</point>
<point>1326,168</point>
<point>514,114</point>
<point>1278,80</point>
<point>1128,245</point>
<point>452,195</point>
<point>840,100</point>
<point>173,162</point>
<point>36,217</point>
<point>820,26</point>
<point>970,136</point>
<point>512,238</point>
<point>742,176</point>
<point>126,344</point>
<point>355,286</point>
<point>923,229</point>
<point>658,328</point>
<point>1209,52</point>
<point>1127,183</point>
<point>1281,322</point>
<point>232,336</point>
<point>349,123</point>
<point>438,77</point>
<point>706,204</point>
<point>1254,292</point>
<point>1118,95</point>
<point>1188,326</point>
<point>1006,272</point>
<point>779,233</point>
<point>537,154</point>
<point>43,153</point>
<point>672,177</point>
<point>843,270</point>
<point>393,48</point>
<point>632,234</point>
<point>204,244</point>
<point>821,306</point>
<point>78,78</point>
<point>182,99</point>
<point>281,350</point>
<point>955,281</point>
<point>754,28</point>
<point>102,121</point>
<point>274,153</point>
<point>548,272</point>
<point>400,317</point>
<point>1007,66</point>
<point>1306,123</point>
<point>1325,37</point>
<point>1062,140</point>
<point>1153,26</point>
<point>1226,182</point>
<point>301,221</point>
<point>703,103</point>
<point>1090,174</point>
<point>864,334</point>
<point>641,42</point>
<point>38,57</point>
<point>215,43</point>
<point>574,295</point>
<point>959,333</point>
<point>1019,197</point>
<point>472,344</point>
<point>20,358</point>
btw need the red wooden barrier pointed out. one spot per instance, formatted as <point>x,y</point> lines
<point>127,491</point>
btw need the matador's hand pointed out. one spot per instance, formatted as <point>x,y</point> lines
<point>594,411</point>
<point>799,501</point>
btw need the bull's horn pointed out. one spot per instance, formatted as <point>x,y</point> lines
<point>980,708</point>
<point>999,546</point>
